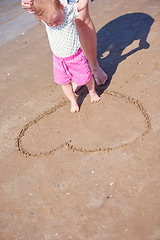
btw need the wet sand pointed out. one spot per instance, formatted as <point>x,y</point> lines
<point>14,20</point>
<point>95,174</point>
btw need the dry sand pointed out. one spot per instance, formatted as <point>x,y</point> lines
<point>94,175</point>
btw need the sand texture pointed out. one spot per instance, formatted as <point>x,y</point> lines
<point>93,175</point>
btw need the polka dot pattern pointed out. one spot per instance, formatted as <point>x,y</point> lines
<point>64,39</point>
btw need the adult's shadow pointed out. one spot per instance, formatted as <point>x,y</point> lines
<point>118,34</point>
<point>114,37</point>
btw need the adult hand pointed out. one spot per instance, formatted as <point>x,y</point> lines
<point>27,5</point>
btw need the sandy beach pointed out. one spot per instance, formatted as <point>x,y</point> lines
<point>94,175</point>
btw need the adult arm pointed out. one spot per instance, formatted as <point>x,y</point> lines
<point>82,4</point>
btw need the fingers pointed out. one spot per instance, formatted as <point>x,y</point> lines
<point>27,2</point>
<point>27,5</point>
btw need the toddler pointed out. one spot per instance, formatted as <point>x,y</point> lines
<point>69,61</point>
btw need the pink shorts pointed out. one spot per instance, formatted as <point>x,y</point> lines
<point>74,68</point>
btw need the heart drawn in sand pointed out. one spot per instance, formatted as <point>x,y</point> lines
<point>114,122</point>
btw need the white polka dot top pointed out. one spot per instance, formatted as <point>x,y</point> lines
<point>64,39</point>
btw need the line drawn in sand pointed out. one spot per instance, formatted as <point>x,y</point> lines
<point>24,152</point>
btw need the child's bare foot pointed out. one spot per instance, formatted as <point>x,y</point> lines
<point>94,97</point>
<point>74,107</point>
<point>99,75</point>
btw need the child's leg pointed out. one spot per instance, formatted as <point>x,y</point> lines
<point>74,86</point>
<point>92,92</point>
<point>68,90</point>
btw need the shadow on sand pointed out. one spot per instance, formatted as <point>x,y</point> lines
<point>113,38</point>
